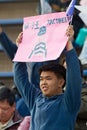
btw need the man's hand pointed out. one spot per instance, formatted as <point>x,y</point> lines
<point>70,34</point>
<point>19,38</point>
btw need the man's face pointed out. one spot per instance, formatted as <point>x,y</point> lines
<point>50,85</point>
<point>6,111</point>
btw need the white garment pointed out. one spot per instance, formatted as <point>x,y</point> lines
<point>83,54</point>
<point>45,7</point>
<point>4,126</point>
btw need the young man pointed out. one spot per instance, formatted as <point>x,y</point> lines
<point>9,117</point>
<point>50,108</point>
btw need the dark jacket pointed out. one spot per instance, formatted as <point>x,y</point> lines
<point>81,123</point>
<point>17,119</point>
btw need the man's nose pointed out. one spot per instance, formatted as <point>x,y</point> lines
<point>44,81</point>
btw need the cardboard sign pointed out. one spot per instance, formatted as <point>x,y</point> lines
<point>44,38</point>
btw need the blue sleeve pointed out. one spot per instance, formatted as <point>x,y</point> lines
<point>22,108</point>
<point>73,82</point>
<point>9,47</point>
<point>28,91</point>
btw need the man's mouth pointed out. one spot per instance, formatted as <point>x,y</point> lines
<point>44,88</point>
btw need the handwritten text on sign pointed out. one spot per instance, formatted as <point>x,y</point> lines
<point>44,37</point>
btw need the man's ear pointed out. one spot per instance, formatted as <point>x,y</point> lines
<point>61,82</point>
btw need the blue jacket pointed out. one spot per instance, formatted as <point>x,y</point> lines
<point>58,112</point>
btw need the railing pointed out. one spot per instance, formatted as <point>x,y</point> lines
<point>6,74</point>
<point>1,49</point>
<point>16,1</point>
<point>11,21</point>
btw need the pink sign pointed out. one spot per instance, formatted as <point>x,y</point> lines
<point>44,38</point>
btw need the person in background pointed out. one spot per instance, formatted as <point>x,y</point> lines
<point>10,119</point>
<point>83,53</point>
<point>10,49</point>
<point>49,101</point>
<point>82,115</point>
<point>59,5</point>
<point>81,122</point>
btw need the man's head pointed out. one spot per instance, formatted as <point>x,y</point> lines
<point>7,104</point>
<point>52,79</point>
<point>59,5</point>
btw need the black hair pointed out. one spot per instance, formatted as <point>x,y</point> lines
<point>1,83</point>
<point>7,94</point>
<point>15,91</point>
<point>58,69</point>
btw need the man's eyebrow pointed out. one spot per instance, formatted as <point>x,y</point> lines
<point>45,76</point>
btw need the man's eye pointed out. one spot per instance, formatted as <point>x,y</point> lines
<point>49,78</point>
<point>41,79</point>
